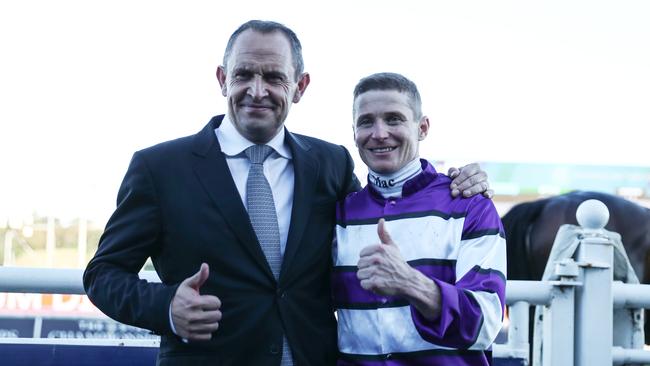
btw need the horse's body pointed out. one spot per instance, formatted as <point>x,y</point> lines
<point>531,228</point>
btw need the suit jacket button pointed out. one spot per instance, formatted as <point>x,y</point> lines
<point>274,349</point>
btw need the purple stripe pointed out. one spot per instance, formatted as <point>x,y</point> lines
<point>478,279</point>
<point>482,217</point>
<point>461,317</point>
<point>422,180</point>
<point>459,321</point>
<point>478,358</point>
<point>359,205</point>
<point>346,287</point>
<point>367,205</point>
<point>363,205</point>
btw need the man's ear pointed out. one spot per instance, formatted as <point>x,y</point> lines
<point>303,82</point>
<point>423,128</point>
<point>221,76</point>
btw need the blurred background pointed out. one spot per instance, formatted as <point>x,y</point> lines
<point>548,96</point>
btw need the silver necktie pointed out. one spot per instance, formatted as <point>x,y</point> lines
<point>261,210</point>
<point>261,207</point>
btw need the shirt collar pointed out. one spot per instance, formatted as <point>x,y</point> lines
<point>412,185</point>
<point>233,143</point>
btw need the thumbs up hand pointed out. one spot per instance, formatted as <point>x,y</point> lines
<point>195,316</point>
<point>381,268</point>
<point>384,235</point>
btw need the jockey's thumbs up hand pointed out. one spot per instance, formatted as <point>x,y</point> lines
<point>384,235</point>
<point>382,269</point>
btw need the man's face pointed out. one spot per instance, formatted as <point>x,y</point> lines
<point>260,84</point>
<point>385,131</point>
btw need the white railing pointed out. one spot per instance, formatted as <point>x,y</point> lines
<point>29,280</point>
<point>578,306</point>
<point>50,280</point>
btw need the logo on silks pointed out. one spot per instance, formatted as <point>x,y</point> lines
<point>382,183</point>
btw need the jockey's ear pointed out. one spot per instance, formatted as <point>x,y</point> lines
<point>423,128</point>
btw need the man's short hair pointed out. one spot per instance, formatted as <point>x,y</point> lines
<point>392,81</point>
<point>265,27</point>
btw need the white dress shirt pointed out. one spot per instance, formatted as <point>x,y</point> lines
<point>278,169</point>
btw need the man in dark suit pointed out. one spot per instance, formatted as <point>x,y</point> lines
<point>261,295</point>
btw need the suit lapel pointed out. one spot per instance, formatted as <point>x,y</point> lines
<point>213,172</point>
<point>305,168</point>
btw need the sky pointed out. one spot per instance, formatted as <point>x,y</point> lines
<point>84,84</point>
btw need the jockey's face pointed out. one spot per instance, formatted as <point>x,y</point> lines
<point>385,130</point>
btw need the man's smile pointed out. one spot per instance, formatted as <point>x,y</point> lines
<point>383,149</point>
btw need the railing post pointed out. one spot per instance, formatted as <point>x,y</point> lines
<point>558,342</point>
<point>594,303</point>
<point>518,330</point>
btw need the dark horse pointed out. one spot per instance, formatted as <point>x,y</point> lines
<point>531,228</point>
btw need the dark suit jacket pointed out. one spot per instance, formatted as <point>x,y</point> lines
<point>178,204</point>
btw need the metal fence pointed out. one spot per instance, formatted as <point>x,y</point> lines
<point>578,309</point>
